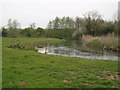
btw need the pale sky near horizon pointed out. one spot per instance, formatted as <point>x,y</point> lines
<point>41,11</point>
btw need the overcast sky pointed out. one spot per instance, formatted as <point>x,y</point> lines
<point>41,11</point>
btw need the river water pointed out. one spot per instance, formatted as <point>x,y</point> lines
<point>77,49</point>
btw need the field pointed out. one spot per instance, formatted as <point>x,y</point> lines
<point>26,68</point>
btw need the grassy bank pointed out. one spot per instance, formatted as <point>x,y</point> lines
<point>30,69</point>
<point>103,42</point>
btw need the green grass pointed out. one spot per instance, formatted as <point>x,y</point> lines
<point>0,63</point>
<point>96,44</point>
<point>30,69</point>
<point>31,43</point>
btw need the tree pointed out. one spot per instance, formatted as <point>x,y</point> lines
<point>115,16</point>
<point>39,32</point>
<point>67,22</point>
<point>56,23</point>
<point>27,32</point>
<point>77,35</point>
<point>32,25</point>
<point>77,23</point>
<point>93,21</point>
<point>62,22</point>
<point>49,26</point>
<point>4,32</point>
<point>72,23</point>
<point>13,24</point>
<point>13,28</point>
<point>94,15</point>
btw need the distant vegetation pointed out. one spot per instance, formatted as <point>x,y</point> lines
<point>68,28</point>
<point>65,27</point>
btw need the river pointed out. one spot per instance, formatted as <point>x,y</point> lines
<point>77,49</point>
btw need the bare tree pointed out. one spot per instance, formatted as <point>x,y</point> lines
<point>93,15</point>
<point>115,16</point>
<point>13,24</point>
<point>32,25</point>
<point>13,28</point>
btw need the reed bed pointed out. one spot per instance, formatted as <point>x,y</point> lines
<point>108,41</point>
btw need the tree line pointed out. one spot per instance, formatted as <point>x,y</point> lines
<point>91,23</point>
<point>13,30</point>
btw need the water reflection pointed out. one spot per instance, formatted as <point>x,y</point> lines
<point>76,49</point>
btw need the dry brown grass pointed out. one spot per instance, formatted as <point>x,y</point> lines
<point>108,40</point>
<point>87,38</point>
